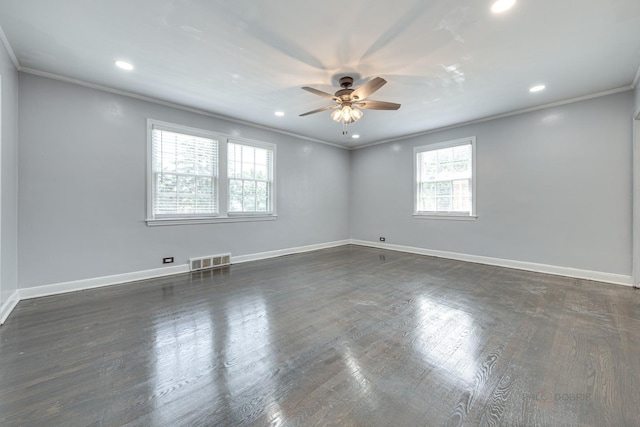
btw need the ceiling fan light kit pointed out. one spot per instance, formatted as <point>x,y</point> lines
<point>346,114</point>
<point>349,102</point>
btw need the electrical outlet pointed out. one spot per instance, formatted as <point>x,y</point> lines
<point>167,260</point>
<point>382,239</point>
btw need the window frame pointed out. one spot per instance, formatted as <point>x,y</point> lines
<point>221,180</point>
<point>471,140</point>
<point>254,144</point>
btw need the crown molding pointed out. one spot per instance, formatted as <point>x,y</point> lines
<point>501,116</point>
<point>7,46</point>
<point>157,101</point>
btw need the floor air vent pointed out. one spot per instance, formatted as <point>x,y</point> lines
<point>212,261</point>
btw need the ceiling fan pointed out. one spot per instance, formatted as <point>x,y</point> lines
<point>349,101</point>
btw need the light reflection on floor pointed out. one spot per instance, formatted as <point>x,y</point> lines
<point>249,355</point>
<point>445,339</point>
<point>355,370</point>
<point>184,351</point>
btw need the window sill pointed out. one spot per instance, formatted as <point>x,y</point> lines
<point>209,220</point>
<point>449,217</point>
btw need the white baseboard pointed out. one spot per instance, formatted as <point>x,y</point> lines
<point>288,251</point>
<point>96,282</point>
<point>618,279</point>
<point>8,306</point>
<point>78,285</point>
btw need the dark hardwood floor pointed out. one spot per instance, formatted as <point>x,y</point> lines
<point>343,336</point>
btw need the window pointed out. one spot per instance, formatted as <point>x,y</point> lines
<point>445,179</point>
<point>199,176</point>
<point>184,168</point>
<point>250,174</point>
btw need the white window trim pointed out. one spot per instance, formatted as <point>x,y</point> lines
<point>210,220</point>
<point>221,182</point>
<point>443,215</point>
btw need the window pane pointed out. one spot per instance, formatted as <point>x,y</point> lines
<point>429,189</point>
<point>461,188</point>
<point>248,170</point>
<point>460,168</point>
<point>431,169</point>
<point>204,204</point>
<point>462,161</point>
<point>461,204</point>
<point>235,195</point>
<point>231,169</point>
<point>184,161</point>
<point>186,205</point>
<point>462,195</point>
<point>249,196</point>
<point>186,185</point>
<point>445,166</point>
<point>167,183</point>
<point>443,188</point>
<point>261,156</point>
<point>462,153</point>
<point>261,196</point>
<point>204,164</point>
<point>204,185</point>
<point>166,160</point>
<point>262,172</point>
<point>428,204</point>
<point>443,204</point>
<point>204,195</point>
<point>167,203</point>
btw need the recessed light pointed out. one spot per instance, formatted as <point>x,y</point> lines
<point>356,136</point>
<point>279,113</point>
<point>124,65</point>
<point>537,88</point>
<point>502,6</point>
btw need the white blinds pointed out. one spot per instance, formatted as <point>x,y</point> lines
<point>444,180</point>
<point>250,172</point>
<point>184,173</point>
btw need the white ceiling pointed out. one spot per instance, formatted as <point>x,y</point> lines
<point>446,61</point>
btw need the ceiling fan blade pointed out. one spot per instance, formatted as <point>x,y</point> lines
<point>377,105</point>
<point>330,107</point>
<point>368,88</point>
<point>319,92</point>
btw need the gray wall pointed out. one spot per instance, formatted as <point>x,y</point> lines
<point>637,102</point>
<point>636,202</point>
<point>553,187</point>
<point>8,180</point>
<point>82,193</point>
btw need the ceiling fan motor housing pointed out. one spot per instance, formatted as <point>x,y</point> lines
<point>344,94</point>
<point>346,82</point>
